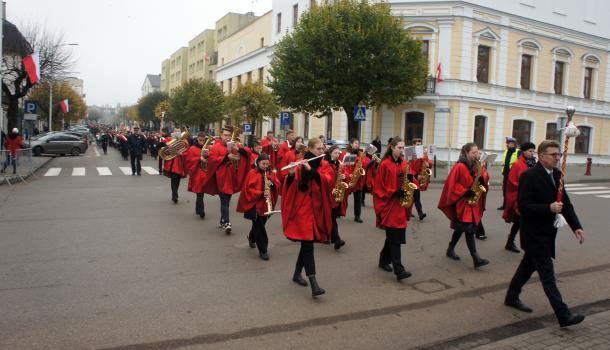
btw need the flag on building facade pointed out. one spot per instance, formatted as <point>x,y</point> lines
<point>32,67</point>
<point>206,57</point>
<point>65,105</point>
<point>439,73</point>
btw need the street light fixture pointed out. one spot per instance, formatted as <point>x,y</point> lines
<point>51,92</point>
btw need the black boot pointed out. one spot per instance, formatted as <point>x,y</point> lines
<point>472,247</point>
<point>454,240</point>
<point>297,278</point>
<point>510,243</point>
<point>315,288</point>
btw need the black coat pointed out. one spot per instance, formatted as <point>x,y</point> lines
<point>536,193</point>
<point>136,144</point>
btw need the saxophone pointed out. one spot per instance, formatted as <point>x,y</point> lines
<point>357,172</point>
<point>204,149</point>
<point>267,195</point>
<point>340,185</point>
<point>407,187</point>
<point>237,142</point>
<point>424,174</point>
<point>476,187</point>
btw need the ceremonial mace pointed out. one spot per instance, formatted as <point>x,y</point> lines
<point>571,130</point>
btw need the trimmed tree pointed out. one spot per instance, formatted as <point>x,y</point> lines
<point>148,103</point>
<point>251,102</point>
<point>353,53</point>
<point>197,102</point>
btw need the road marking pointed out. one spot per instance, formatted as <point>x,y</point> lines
<point>574,185</point>
<point>53,172</point>
<point>97,153</point>
<point>604,196</point>
<point>126,170</point>
<point>589,188</point>
<point>78,172</point>
<point>104,171</point>
<point>592,192</point>
<point>150,170</point>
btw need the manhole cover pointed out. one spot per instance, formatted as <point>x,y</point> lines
<point>431,286</point>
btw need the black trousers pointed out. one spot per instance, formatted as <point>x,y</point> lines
<point>160,165</point>
<point>306,259</point>
<point>335,238</point>
<point>390,253</point>
<point>225,199</point>
<point>105,147</point>
<point>258,233</point>
<point>136,167</point>
<point>544,266</point>
<point>363,193</point>
<point>417,202</point>
<point>357,203</point>
<point>174,183</point>
<point>199,206</point>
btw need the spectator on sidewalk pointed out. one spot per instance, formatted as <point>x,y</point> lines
<point>12,143</point>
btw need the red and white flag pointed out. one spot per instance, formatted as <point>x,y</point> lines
<point>65,105</point>
<point>439,73</point>
<point>32,67</point>
<point>206,57</point>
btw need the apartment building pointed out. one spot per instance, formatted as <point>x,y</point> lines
<point>201,56</point>
<point>178,65</point>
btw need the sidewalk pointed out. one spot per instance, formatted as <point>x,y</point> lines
<point>37,163</point>
<point>592,334</point>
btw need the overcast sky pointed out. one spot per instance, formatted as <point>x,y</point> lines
<point>120,41</point>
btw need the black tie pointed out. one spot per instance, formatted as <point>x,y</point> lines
<point>552,179</point>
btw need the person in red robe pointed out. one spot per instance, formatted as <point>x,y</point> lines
<point>453,203</point>
<point>227,170</point>
<point>271,146</point>
<point>416,167</point>
<point>511,208</point>
<point>338,209</point>
<point>390,214</point>
<point>306,210</point>
<point>285,147</point>
<point>294,154</point>
<point>253,201</point>
<point>197,176</point>
<point>357,179</point>
<point>480,230</point>
<point>174,168</point>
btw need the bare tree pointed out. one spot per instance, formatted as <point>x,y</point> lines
<point>55,61</point>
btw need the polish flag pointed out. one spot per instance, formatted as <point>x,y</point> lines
<point>206,57</point>
<point>32,67</point>
<point>439,73</point>
<point>65,105</point>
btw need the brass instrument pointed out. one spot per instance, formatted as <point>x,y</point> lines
<point>175,147</point>
<point>424,174</point>
<point>407,187</point>
<point>357,172</point>
<point>370,150</point>
<point>208,140</point>
<point>267,195</point>
<point>275,146</point>
<point>340,185</point>
<point>476,187</point>
<point>376,158</point>
<point>237,142</point>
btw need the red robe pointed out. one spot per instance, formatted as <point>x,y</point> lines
<point>416,165</point>
<point>388,211</point>
<point>453,199</point>
<point>284,147</point>
<point>175,165</point>
<point>224,177</point>
<point>268,148</point>
<point>252,192</point>
<point>511,207</point>
<point>349,169</point>
<point>289,157</point>
<point>192,162</point>
<point>371,173</point>
<point>343,205</point>
<point>306,216</point>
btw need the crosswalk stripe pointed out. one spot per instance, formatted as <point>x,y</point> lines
<point>592,192</point>
<point>78,172</point>
<point>589,188</point>
<point>126,170</point>
<point>104,171</point>
<point>53,172</point>
<point>150,170</point>
<point>604,196</point>
<point>97,153</point>
<point>574,185</point>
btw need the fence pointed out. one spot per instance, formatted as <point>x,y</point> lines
<point>16,167</point>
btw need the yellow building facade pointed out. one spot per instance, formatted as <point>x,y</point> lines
<point>201,55</point>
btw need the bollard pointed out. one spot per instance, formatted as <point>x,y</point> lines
<point>588,169</point>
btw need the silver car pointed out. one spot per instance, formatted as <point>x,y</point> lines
<point>59,143</point>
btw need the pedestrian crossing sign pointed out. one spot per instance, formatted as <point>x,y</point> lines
<point>359,113</point>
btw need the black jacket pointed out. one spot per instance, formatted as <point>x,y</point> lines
<point>136,144</point>
<point>536,193</point>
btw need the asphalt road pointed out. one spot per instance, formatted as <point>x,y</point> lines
<point>92,262</point>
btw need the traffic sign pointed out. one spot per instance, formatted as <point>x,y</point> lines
<point>247,129</point>
<point>30,107</point>
<point>285,118</point>
<point>359,113</point>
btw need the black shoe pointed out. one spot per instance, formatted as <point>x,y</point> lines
<point>264,256</point>
<point>339,244</point>
<point>515,303</point>
<point>251,243</point>
<point>572,320</point>
<point>202,215</point>
<point>401,276</point>
<point>501,207</point>
<point>298,279</point>
<point>175,200</point>
<point>315,288</point>
<point>386,268</point>
<point>133,174</point>
<point>481,237</point>
<point>451,253</point>
<point>422,216</point>
<point>358,219</point>
<point>510,246</point>
<point>139,174</point>
<point>479,262</point>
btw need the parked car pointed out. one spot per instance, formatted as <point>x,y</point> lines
<point>341,143</point>
<point>59,143</point>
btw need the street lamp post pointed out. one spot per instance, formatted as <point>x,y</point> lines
<point>51,93</point>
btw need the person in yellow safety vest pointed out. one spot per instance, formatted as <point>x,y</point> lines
<point>510,156</point>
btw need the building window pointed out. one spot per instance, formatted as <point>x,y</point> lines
<point>295,14</point>
<point>582,141</point>
<point>306,126</point>
<point>261,73</point>
<point>329,125</point>
<point>414,126</point>
<point>522,131</point>
<point>250,76</point>
<point>425,49</point>
<point>262,41</point>
<point>558,77</point>
<point>222,85</point>
<point>526,71</point>
<point>551,132</point>
<point>230,85</point>
<point>279,23</point>
<point>239,80</point>
<point>479,130</point>
<point>587,87</point>
<point>483,64</point>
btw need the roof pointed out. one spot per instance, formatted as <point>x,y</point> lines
<point>155,79</point>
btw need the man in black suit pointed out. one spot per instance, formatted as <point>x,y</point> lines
<point>539,207</point>
<point>137,145</point>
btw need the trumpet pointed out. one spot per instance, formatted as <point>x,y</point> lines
<point>301,162</point>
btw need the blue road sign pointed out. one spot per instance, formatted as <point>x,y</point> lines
<point>285,118</point>
<point>359,113</point>
<point>247,129</point>
<point>30,107</point>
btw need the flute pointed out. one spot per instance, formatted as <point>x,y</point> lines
<point>296,164</point>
